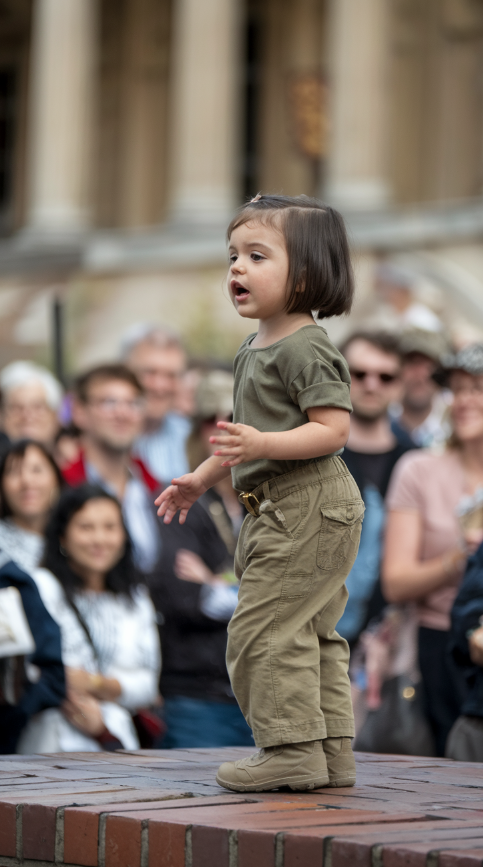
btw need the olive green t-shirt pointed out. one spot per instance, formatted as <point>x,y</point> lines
<point>276,385</point>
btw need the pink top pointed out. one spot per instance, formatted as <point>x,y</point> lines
<point>433,485</point>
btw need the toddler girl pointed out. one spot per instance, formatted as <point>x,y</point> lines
<point>287,664</point>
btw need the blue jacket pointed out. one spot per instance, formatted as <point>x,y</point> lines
<point>49,690</point>
<point>467,610</point>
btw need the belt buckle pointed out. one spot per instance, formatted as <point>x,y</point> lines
<point>245,498</point>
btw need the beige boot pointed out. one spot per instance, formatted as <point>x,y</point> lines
<point>299,766</point>
<point>340,762</point>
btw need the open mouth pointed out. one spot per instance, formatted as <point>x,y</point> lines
<point>239,291</point>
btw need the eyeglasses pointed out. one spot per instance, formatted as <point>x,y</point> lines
<point>384,378</point>
<point>110,404</point>
<point>18,409</point>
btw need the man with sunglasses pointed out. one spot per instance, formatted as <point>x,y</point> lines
<point>372,450</point>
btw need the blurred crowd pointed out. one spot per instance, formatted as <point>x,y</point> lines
<point>113,625</point>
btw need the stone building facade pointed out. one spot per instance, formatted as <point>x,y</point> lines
<point>131,129</point>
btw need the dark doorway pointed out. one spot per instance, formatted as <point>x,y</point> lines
<point>8,104</point>
<point>253,41</point>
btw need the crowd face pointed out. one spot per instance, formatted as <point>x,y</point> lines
<point>30,486</point>
<point>27,415</point>
<point>112,415</point>
<point>416,376</point>
<point>160,371</point>
<point>467,407</point>
<point>376,381</point>
<point>95,538</point>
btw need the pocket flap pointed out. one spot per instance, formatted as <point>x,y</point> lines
<point>344,513</point>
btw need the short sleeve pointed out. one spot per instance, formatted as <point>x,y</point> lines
<point>320,383</point>
<point>406,488</point>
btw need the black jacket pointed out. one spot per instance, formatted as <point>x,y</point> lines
<point>467,610</point>
<point>49,690</point>
<point>193,646</point>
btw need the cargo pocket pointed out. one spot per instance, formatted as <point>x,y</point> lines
<point>339,532</point>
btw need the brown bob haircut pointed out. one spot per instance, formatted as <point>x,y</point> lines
<point>320,272</point>
<point>105,373</point>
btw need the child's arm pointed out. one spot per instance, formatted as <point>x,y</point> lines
<point>183,492</point>
<point>326,431</point>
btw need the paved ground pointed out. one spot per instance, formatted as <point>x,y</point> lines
<point>164,809</point>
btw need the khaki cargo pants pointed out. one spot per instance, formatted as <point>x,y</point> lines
<point>287,664</point>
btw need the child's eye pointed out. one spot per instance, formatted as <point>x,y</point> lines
<point>232,258</point>
<point>257,257</point>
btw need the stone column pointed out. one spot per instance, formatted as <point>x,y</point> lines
<point>205,111</point>
<point>61,101</point>
<point>358,44</point>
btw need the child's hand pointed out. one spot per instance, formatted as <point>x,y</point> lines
<point>180,495</point>
<point>240,443</point>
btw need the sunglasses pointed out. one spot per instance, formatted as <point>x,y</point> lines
<point>385,378</point>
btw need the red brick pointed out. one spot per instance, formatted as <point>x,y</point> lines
<point>81,837</point>
<point>38,832</point>
<point>123,842</point>
<point>303,851</point>
<point>209,847</point>
<point>349,853</point>
<point>400,856</point>
<point>8,822</point>
<point>166,844</point>
<point>256,849</point>
<point>472,858</point>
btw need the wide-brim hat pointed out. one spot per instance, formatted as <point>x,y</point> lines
<point>469,359</point>
<point>432,344</point>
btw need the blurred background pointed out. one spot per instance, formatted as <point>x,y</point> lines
<point>131,129</point>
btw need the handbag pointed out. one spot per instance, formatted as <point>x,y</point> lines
<point>388,688</point>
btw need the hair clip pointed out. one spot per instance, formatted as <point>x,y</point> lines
<point>255,198</point>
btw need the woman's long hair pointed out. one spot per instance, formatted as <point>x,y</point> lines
<point>121,579</point>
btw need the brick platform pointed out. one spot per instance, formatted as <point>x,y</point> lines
<point>164,809</point>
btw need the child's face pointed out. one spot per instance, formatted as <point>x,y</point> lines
<point>258,273</point>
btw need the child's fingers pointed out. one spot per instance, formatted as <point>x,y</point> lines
<point>226,440</point>
<point>234,450</point>
<point>232,463</point>
<point>227,425</point>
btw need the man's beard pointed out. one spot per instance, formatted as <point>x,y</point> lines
<point>116,449</point>
<point>368,416</point>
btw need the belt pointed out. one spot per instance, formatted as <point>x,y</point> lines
<point>251,503</point>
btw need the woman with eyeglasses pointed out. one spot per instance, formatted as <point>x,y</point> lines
<point>435,521</point>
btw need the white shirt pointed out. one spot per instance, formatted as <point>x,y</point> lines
<point>125,636</point>
<point>164,450</point>
<point>23,547</point>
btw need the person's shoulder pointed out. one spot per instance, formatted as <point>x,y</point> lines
<point>422,463</point>
<point>49,587</point>
<point>75,473</point>
<point>244,346</point>
<point>315,338</point>
<point>141,598</point>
